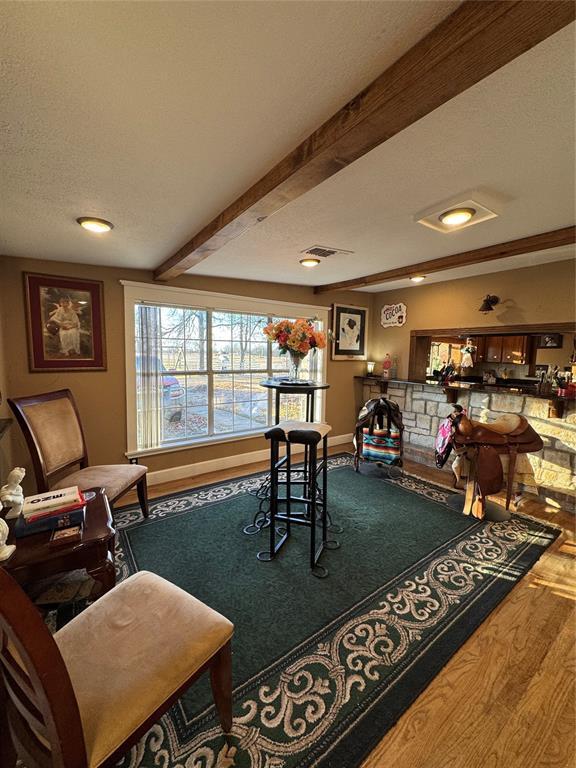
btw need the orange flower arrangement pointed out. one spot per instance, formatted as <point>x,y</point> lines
<point>295,337</point>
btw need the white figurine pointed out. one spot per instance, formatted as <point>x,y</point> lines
<point>11,494</point>
<point>468,352</point>
<point>5,549</point>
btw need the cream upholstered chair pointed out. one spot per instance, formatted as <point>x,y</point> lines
<point>53,431</point>
<point>83,697</point>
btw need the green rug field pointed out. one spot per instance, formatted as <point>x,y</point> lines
<point>322,668</point>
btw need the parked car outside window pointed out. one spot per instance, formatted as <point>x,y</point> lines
<point>172,392</point>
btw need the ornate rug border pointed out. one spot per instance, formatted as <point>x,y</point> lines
<point>326,749</point>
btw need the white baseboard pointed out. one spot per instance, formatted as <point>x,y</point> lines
<point>226,462</point>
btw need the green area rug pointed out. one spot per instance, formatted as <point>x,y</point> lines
<point>322,668</point>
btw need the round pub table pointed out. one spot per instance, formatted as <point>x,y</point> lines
<point>291,388</point>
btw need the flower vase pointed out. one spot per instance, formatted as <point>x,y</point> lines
<point>295,367</point>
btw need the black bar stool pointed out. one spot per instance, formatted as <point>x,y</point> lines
<point>314,497</point>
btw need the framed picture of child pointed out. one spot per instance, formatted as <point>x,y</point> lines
<point>65,323</point>
<point>350,325</point>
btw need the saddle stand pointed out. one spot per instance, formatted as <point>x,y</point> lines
<point>510,434</point>
<point>378,433</point>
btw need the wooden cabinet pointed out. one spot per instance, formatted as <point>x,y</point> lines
<point>505,349</point>
<point>419,356</point>
<point>480,344</point>
<point>493,353</point>
<point>514,349</point>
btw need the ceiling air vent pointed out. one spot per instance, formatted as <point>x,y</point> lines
<point>322,251</point>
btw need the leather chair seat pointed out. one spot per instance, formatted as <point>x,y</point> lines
<point>120,669</point>
<point>298,431</point>
<point>116,479</point>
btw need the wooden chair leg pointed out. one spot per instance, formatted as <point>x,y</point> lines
<point>7,751</point>
<point>142,490</point>
<point>221,681</point>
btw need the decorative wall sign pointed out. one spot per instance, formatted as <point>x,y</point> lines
<point>350,328</point>
<point>393,315</point>
<point>65,323</point>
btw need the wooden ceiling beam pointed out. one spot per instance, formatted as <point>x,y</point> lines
<point>542,242</point>
<point>478,38</point>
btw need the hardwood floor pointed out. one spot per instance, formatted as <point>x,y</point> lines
<point>506,699</point>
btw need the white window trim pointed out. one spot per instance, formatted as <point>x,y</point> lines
<point>137,293</point>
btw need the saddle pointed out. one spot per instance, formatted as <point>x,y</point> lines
<point>382,414</point>
<point>510,434</point>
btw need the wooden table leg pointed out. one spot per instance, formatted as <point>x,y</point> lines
<point>104,573</point>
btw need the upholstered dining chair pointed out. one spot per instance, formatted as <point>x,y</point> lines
<point>82,697</point>
<point>53,431</point>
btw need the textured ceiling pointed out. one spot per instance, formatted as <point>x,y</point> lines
<point>156,115</point>
<point>508,142</point>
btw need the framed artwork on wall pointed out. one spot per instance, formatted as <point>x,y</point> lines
<point>65,319</point>
<point>350,329</point>
<point>549,341</point>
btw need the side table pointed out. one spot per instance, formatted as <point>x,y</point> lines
<point>35,559</point>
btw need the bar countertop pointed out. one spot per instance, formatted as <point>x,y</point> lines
<point>468,386</point>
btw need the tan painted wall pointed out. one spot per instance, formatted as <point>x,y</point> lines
<point>560,356</point>
<point>541,294</point>
<point>101,395</point>
<point>5,442</point>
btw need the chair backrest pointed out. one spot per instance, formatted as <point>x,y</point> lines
<point>42,710</point>
<point>53,432</point>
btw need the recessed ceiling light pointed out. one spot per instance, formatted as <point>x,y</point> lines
<point>418,278</point>
<point>309,262</point>
<point>455,217</point>
<point>95,225</point>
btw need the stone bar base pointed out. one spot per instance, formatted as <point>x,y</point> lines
<point>424,406</point>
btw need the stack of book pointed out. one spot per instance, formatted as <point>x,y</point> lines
<point>50,511</point>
